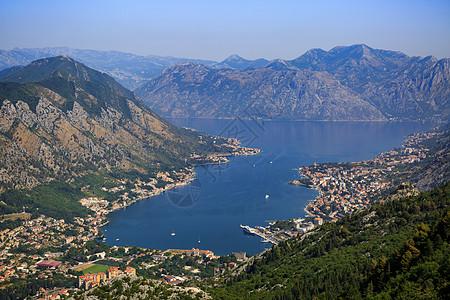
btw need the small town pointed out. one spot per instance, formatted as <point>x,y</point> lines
<point>348,187</point>
<point>70,255</point>
<point>279,231</point>
<point>127,192</point>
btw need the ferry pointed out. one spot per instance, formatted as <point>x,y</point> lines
<point>247,229</point>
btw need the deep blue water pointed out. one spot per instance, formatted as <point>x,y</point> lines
<point>223,197</point>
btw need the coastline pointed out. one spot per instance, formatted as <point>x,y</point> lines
<point>350,186</point>
<point>189,177</point>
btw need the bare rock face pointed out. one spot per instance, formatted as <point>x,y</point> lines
<point>78,115</point>
<point>345,83</point>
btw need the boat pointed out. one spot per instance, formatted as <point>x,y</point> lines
<point>117,239</point>
<point>267,196</point>
<point>247,229</point>
<point>198,242</point>
<point>172,234</point>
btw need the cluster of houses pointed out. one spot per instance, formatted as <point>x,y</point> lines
<point>95,204</point>
<point>345,188</point>
<point>87,281</point>
<point>203,253</point>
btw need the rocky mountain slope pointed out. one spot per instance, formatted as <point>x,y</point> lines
<point>192,90</point>
<point>129,69</point>
<point>239,63</point>
<point>345,83</point>
<point>60,119</point>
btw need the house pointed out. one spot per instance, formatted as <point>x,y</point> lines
<point>113,272</point>
<point>240,255</point>
<point>318,221</point>
<point>171,279</point>
<point>49,264</point>
<point>130,271</point>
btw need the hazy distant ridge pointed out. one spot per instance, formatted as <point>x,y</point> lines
<point>345,83</point>
<point>130,70</point>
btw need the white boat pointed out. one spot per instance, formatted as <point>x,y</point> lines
<point>117,239</point>
<point>172,234</point>
<point>247,229</point>
<point>267,196</point>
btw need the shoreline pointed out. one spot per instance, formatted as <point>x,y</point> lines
<point>190,177</point>
<point>188,180</point>
<point>300,120</point>
<point>347,187</point>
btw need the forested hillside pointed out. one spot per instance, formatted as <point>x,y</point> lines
<point>396,249</point>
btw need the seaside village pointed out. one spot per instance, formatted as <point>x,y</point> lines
<point>141,190</point>
<point>44,248</point>
<point>347,187</point>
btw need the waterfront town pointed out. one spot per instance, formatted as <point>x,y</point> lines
<point>127,192</point>
<point>61,257</point>
<point>68,253</point>
<point>347,187</point>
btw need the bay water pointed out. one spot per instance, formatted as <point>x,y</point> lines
<point>249,190</point>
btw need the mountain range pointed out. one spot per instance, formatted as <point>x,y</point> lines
<point>345,83</point>
<point>128,69</point>
<point>60,119</point>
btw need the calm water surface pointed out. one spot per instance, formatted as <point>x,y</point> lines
<point>211,209</point>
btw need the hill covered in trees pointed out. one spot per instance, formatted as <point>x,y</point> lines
<point>396,249</point>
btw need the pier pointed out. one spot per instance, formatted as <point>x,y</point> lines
<point>257,232</point>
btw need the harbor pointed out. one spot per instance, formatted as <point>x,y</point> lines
<point>267,237</point>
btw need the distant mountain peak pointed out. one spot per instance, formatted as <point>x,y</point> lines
<point>234,57</point>
<point>315,51</point>
<point>277,65</point>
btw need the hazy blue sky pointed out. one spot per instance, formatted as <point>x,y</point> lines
<point>215,29</point>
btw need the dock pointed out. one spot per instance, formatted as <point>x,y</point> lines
<point>254,231</point>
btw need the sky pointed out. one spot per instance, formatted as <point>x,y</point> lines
<point>215,29</point>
